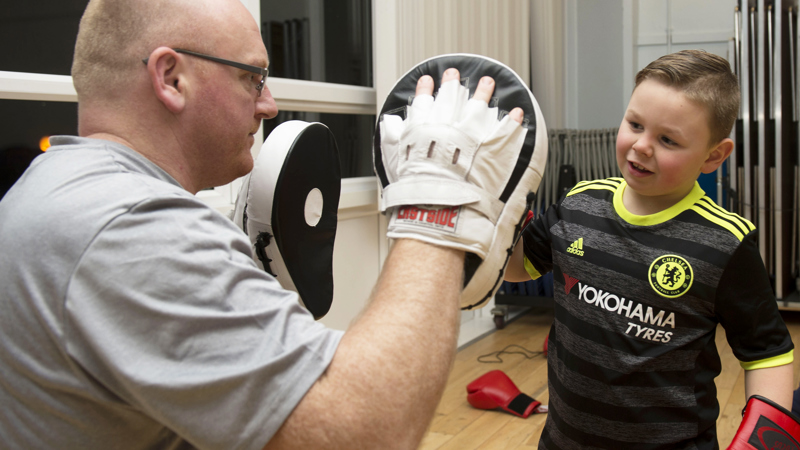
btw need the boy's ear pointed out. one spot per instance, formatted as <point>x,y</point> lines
<point>167,78</point>
<point>717,155</point>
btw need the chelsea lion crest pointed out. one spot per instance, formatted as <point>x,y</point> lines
<point>671,276</point>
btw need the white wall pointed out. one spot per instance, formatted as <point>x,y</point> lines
<point>548,60</point>
<point>356,264</point>
<point>593,35</point>
<point>666,26</point>
<point>599,38</point>
<point>608,41</point>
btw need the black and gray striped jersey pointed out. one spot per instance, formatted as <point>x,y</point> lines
<point>632,353</point>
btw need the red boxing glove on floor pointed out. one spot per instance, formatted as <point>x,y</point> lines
<point>495,390</point>
<point>766,425</point>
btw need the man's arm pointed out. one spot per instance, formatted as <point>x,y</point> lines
<point>774,383</point>
<point>391,367</point>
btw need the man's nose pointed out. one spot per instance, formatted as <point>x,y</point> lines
<point>265,105</point>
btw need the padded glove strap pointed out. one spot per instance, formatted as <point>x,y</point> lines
<point>521,403</point>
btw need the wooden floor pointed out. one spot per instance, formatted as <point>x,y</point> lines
<point>458,426</point>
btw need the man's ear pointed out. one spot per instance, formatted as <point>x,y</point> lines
<point>167,78</point>
<point>718,155</point>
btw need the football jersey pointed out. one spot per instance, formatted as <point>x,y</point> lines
<point>632,352</point>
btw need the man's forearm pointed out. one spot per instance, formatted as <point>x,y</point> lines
<point>387,377</point>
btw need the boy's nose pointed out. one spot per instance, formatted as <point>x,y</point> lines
<point>643,145</point>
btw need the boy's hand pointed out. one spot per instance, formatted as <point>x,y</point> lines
<point>766,425</point>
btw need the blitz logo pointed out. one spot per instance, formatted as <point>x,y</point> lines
<point>445,219</point>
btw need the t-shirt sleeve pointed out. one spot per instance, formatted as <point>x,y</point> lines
<point>168,312</point>
<point>747,307</point>
<point>536,244</point>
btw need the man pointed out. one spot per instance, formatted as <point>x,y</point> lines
<point>133,315</point>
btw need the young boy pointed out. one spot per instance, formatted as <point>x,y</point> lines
<point>645,267</point>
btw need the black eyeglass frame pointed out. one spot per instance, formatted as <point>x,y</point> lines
<point>264,72</point>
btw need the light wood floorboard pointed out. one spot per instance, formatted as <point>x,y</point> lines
<point>458,426</point>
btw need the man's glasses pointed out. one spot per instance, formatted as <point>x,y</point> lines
<point>254,69</point>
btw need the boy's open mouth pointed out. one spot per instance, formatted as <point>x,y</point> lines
<point>637,168</point>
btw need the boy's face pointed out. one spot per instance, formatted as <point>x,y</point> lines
<point>662,146</point>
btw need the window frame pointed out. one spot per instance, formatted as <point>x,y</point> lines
<point>289,94</point>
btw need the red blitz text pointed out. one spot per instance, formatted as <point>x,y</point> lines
<point>445,217</point>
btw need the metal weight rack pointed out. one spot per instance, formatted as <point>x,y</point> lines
<point>763,177</point>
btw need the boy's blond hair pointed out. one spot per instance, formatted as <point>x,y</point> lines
<point>704,78</point>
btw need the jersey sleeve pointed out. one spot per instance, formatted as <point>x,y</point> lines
<point>748,310</point>
<point>536,241</point>
<point>169,314</point>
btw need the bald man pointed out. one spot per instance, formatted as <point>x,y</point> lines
<point>133,314</point>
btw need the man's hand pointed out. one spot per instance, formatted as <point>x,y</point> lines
<point>448,163</point>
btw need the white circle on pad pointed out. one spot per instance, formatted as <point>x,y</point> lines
<point>313,208</point>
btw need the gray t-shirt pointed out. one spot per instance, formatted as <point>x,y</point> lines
<point>134,317</point>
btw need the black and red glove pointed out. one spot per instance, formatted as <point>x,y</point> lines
<point>766,425</point>
<point>544,347</point>
<point>495,390</point>
<point>528,218</point>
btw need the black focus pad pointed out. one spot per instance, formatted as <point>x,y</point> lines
<point>509,92</point>
<point>288,207</point>
<point>311,168</point>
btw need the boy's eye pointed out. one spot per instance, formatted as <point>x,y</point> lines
<point>668,141</point>
<point>635,125</point>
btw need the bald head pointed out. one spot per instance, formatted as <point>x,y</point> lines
<point>115,35</point>
<point>194,118</point>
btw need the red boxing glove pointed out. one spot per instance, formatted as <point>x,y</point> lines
<point>766,425</point>
<point>495,390</point>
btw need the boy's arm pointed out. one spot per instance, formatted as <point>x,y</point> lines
<point>769,418</point>
<point>774,383</point>
<point>753,324</point>
<point>515,271</point>
<point>536,240</point>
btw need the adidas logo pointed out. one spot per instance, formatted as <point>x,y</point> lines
<point>576,248</point>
